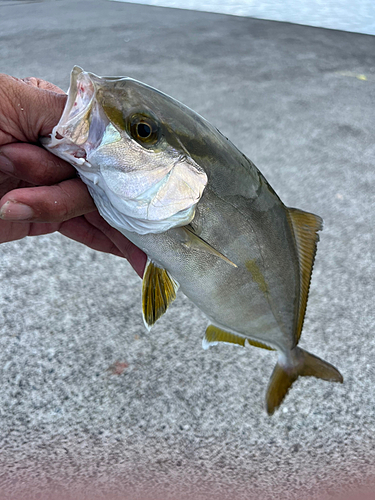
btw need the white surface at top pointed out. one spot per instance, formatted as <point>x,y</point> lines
<point>347,15</point>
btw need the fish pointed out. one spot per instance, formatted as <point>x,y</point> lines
<point>208,220</point>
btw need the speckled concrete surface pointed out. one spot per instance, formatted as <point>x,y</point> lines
<point>91,404</point>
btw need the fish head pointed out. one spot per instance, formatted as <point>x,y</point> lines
<point>124,139</point>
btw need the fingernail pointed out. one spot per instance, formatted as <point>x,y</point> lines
<point>6,165</point>
<point>13,211</point>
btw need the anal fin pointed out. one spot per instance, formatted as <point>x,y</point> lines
<point>214,335</point>
<point>159,289</point>
<point>256,343</point>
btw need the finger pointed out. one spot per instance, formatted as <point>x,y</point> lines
<point>136,257</point>
<point>42,84</point>
<point>12,231</point>
<point>55,203</point>
<point>34,164</point>
<point>79,229</point>
<point>30,111</point>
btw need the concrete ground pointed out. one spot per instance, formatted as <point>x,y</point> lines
<point>92,405</point>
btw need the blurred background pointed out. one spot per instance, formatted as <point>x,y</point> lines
<point>92,405</point>
<point>346,15</point>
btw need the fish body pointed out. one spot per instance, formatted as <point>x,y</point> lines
<point>203,213</point>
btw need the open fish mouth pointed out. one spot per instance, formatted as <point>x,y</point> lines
<point>82,124</point>
<point>80,98</point>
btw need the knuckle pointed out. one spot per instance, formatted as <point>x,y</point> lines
<point>69,204</point>
<point>55,206</point>
<point>65,208</point>
<point>46,171</point>
<point>31,80</point>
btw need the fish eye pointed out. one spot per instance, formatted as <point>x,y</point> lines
<point>144,130</point>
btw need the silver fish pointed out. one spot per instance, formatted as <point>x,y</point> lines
<point>203,213</point>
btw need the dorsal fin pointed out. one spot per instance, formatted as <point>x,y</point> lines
<point>214,335</point>
<point>305,227</point>
<point>158,291</point>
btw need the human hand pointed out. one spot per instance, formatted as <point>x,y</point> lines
<point>39,192</point>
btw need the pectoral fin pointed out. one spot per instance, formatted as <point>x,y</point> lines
<point>158,291</point>
<point>192,240</point>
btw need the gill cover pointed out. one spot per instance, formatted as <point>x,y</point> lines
<point>136,187</point>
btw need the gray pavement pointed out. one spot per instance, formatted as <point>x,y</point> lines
<point>93,406</point>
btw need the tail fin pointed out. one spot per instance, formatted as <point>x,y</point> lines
<point>303,364</point>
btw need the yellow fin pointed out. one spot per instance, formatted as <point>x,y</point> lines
<point>214,335</point>
<point>305,227</point>
<point>158,291</point>
<point>300,364</point>
<point>194,241</point>
<point>256,343</point>
<point>278,387</point>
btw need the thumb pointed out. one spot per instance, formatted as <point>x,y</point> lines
<point>31,107</point>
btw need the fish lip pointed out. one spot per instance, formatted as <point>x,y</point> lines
<point>74,124</point>
<point>81,94</point>
<point>71,133</point>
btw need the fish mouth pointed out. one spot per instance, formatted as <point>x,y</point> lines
<point>74,123</point>
<point>79,130</point>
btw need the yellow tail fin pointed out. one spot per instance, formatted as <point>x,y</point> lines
<point>303,364</point>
